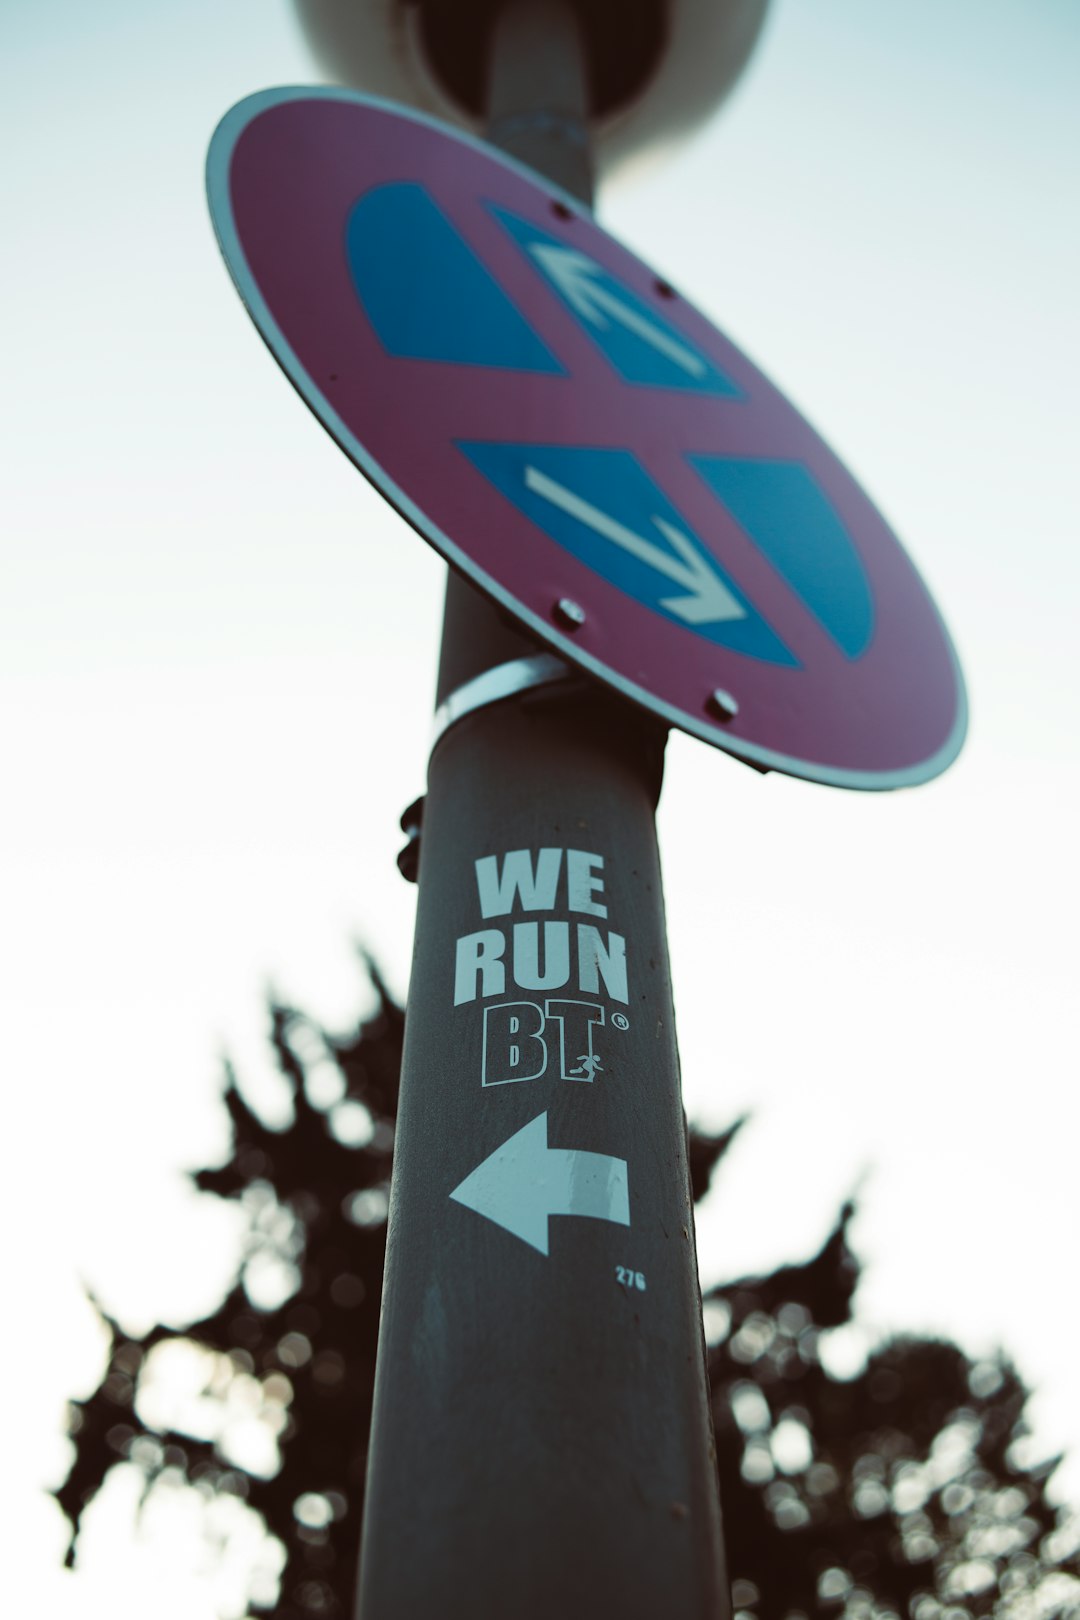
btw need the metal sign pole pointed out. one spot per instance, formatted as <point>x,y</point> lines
<point>575,438</point>
<point>541,1441</point>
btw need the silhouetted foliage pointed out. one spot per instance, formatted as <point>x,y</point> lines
<point>903,1493</point>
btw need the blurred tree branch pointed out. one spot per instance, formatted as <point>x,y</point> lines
<point>902,1493</point>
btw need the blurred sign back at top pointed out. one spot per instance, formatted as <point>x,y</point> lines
<point>657,68</point>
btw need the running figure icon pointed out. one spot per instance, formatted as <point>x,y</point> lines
<point>588,1068</point>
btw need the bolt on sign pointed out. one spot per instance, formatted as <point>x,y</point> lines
<point>571,434</point>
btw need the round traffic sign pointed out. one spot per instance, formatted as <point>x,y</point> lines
<point>580,441</point>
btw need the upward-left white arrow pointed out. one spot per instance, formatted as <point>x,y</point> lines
<point>524,1182</point>
<point>580,280</point>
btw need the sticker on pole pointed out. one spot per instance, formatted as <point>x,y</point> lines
<point>579,441</point>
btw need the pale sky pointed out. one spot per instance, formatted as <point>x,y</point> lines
<point>217,660</point>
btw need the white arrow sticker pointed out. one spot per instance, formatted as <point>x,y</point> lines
<point>524,1182</point>
<point>708,599</point>
<point>574,275</point>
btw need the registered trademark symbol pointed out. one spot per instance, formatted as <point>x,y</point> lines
<point>620,1020</point>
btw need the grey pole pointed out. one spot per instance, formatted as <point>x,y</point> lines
<point>541,1443</point>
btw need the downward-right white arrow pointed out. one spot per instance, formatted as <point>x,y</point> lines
<point>707,599</point>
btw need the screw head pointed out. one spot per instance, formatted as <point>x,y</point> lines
<point>721,705</point>
<point>569,613</point>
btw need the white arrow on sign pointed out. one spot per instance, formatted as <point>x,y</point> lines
<point>708,599</point>
<point>524,1182</point>
<point>573,273</point>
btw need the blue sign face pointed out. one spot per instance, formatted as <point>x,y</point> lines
<point>601,504</point>
<point>433,298</point>
<point>560,424</point>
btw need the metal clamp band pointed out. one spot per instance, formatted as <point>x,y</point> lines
<point>495,685</point>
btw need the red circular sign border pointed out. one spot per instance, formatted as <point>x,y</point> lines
<point>561,574</point>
